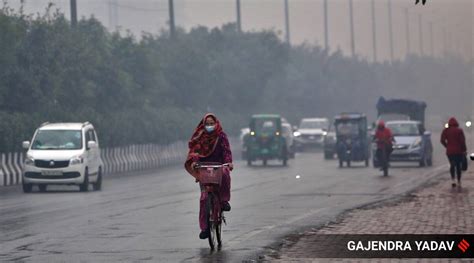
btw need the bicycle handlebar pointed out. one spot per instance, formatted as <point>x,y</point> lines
<point>211,165</point>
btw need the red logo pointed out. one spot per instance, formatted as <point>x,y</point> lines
<point>463,245</point>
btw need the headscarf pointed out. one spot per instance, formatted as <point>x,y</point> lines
<point>381,124</point>
<point>202,143</point>
<point>453,122</point>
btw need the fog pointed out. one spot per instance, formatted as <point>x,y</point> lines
<point>451,20</point>
<point>238,75</point>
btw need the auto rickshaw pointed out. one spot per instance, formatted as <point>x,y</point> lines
<point>266,140</point>
<point>352,140</point>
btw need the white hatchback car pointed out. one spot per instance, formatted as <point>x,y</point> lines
<point>63,153</point>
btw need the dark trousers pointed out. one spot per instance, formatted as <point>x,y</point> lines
<point>455,161</point>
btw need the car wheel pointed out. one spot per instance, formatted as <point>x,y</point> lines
<point>42,187</point>
<point>97,186</point>
<point>84,187</point>
<point>423,162</point>
<point>27,188</point>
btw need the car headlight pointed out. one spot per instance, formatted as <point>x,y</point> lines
<point>29,160</point>
<point>76,160</point>
<point>325,133</point>
<point>296,133</point>
<point>416,143</point>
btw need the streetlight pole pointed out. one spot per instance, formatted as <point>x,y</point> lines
<point>326,26</point>
<point>390,29</point>
<point>287,22</point>
<point>73,13</point>
<point>239,21</point>
<point>374,37</point>
<point>352,28</point>
<point>421,34</point>
<point>407,20</point>
<point>431,39</point>
<point>171,14</point>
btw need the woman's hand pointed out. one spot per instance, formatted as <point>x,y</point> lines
<point>231,166</point>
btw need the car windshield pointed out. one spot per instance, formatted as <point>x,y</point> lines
<point>265,126</point>
<point>347,128</point>
<point>403,129</point>
<point>57,140</point>
<point>314,125</point>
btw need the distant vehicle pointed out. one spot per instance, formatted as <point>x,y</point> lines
<point>63,153</point>
<point>352,139</point>
<point>330,143</point>
<point>412,143</point>
<point>266,140</point>
<point>406,119</point>
<point>311,133</point>
<point>401,109</point>
<point>244,133</point>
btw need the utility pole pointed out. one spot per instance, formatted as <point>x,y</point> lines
<point>287,22</point>
<point>352,28</point>
<point>390,29</point>
<point>73,13</point>
<point>407,20</point>
<point>374,36</point>
<point>445,42</point>
<point>431,39</point>
<point>239,21</point>
<point>421,34</point>
<point>113,14</point>
<point>326,26</point>
<point>172,25</point>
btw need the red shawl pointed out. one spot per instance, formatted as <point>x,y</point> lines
<point>202,143</point>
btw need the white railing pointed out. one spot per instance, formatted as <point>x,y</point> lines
<point>115,160</point>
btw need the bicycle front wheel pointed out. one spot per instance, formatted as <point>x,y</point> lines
<point>213,224</point>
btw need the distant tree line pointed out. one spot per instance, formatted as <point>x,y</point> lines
<point>155,89</point>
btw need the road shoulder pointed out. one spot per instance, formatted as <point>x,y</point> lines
<point>434,208</point>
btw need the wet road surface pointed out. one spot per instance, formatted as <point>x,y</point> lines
<point>153,216</point>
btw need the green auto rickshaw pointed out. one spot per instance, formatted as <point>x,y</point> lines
<point>352,138</point>
<point>266,141</point>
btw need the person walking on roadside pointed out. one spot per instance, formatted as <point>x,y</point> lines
<point>452,138</point>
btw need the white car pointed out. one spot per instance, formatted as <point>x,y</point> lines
<point>63,153</point>
<point>311,132</point>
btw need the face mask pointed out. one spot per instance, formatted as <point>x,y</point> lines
<point>210,128</point>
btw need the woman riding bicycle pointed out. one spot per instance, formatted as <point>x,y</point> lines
<point>209,143</point>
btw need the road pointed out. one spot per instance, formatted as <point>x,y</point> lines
<point>153,216</point>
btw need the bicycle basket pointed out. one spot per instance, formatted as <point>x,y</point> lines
<point>210,175</point>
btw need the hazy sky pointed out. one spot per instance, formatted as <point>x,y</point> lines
<point>451,20</point>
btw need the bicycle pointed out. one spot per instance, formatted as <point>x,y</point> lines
<point>210,178</point>
<point>383,159</point>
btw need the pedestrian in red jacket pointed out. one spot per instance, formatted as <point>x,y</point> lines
<point>453,139</point>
